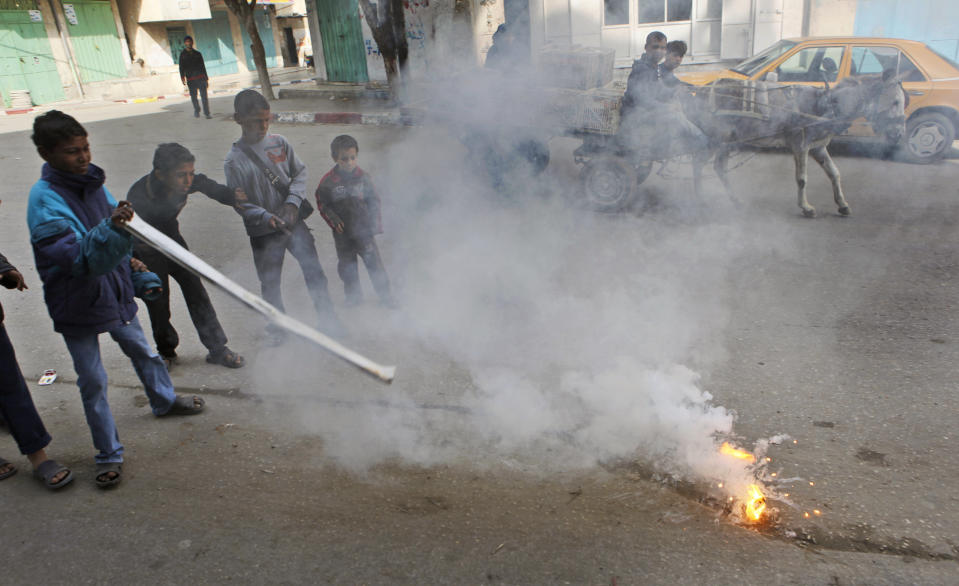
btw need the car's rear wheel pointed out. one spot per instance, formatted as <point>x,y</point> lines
<point>928,136</point>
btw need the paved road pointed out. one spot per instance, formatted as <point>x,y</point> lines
<point>553,368</point>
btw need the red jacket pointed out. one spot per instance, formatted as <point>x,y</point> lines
<point>352,200</point>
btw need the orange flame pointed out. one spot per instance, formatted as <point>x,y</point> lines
<point>728,450</point>
<point>756,505</point>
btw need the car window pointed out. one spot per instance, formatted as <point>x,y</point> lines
<point>751,66</point>
<point>876,60</point>
<point>812,64</point>
<point>908,70</point>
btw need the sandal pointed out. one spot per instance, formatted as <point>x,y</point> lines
<point>10,472</point>
<point>103,479</point>
<point>184,405</point>
<point>227,358</point>
<point>46,472</point>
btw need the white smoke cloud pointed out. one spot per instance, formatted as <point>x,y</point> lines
<point>537,333</point>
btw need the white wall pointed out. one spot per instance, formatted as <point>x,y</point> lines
<point>832,17</point>
<point>180,10</point>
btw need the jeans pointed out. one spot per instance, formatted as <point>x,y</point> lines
<point>268,254</point>
<point>16,405</point>
<point>195,86</point>
<point>92,380</point>
<point>197,303</point>
<point>347,249</point>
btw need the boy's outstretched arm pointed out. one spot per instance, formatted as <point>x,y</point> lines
<point>217,191</point>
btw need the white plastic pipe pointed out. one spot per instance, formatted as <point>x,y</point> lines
<point>194,264</point>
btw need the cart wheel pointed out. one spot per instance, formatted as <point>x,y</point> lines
<point>609,182</point>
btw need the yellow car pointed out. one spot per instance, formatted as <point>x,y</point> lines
<point>930,79</point>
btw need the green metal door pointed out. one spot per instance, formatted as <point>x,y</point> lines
<point>176,35</point>
<point>26,62</point>
<point>214,40</point>
<point>265,28</point>
<point>342,38</point>
<point>96,46</point>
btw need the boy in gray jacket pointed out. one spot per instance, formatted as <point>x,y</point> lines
<point>274,179</point>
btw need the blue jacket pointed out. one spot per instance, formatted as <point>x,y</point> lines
<point>83,260</point>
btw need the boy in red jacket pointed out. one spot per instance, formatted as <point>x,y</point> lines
<point>348,202</point>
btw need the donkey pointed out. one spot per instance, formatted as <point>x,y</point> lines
<point>734,113</point>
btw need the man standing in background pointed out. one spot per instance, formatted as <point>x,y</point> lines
<point>193,74</point>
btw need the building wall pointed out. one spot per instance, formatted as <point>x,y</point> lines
<point>832,17</point>
<point>935,22</point>
<point>435,30</point>
<point>148,43</point>
<point>71,85</point>
<point>150,46</point>
<point>301,34</point>
<point>487,16</point>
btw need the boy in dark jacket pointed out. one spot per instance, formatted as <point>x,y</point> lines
<point>16,405</point>
<point>89,279</point>
<point>193,74</point>
<point>272,215</point>
<point>348,202</point>
<point>158,199</point>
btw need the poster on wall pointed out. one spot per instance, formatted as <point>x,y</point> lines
<point>70,13</point>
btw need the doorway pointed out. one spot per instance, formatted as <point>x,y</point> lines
<point>291,51</point>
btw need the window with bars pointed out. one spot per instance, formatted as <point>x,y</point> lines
<point>653,11</point>
<point>616,12</point>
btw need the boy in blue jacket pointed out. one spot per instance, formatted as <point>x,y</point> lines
<point>89,279</point>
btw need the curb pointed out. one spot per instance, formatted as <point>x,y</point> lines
<point>378,119</point>
<point>279,83</point>
<point>12,111</point>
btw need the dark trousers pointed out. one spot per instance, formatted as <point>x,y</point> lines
<point>347,249</point>
<point>16,404</point>
<point>197,303</point>
<point>199,85</point>
<point>268,254</point>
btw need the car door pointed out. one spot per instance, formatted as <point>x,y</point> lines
<point>868,59</point>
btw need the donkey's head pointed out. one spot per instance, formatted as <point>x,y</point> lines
<point>880,99</point>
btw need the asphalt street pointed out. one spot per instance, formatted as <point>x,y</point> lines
<point>831,343</point>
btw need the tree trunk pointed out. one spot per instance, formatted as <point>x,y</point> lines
<point>399,36</point>
<point>385,36</point>
<point>244,10</point>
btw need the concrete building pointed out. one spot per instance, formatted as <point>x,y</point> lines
<point>58,50</point>
<point>445,33</point>
<point>156,29</point>
<point>734,29</point>
<point>52,50</point>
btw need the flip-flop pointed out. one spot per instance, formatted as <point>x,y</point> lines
<point>8,473</point>
<point>50,468</point>
<point>227,358</point>
<point>106,467</point>
<point>184,405</point>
